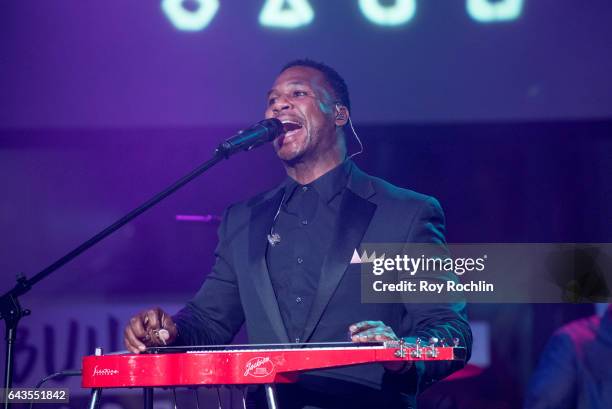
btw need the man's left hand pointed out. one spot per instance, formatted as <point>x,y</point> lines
<point>371,331</point>
<point>376,331</point>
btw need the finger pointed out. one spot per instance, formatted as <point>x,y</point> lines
<point>128,344</point>
<point>131,348</point>
<point>362,336</point>
<point>373,338</point>
<point>165,321</point>
<point>131,341</point>
<point>364,325</point>
<point>386,336</point>
<point>375,334</point>
<point>152,319</point>
<point>137,325</point>
<point>378,327</point>
<point>168,324</point>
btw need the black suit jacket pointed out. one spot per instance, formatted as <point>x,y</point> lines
<point>371,211</point>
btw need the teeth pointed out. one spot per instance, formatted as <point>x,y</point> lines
<point>291,125</point>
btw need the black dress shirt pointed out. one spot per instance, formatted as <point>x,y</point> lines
<point>305,225</point>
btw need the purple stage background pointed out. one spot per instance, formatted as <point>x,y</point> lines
<point>121,63</point>
<point>105,103</point>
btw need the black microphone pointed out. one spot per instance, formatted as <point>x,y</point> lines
<point>247,139</point>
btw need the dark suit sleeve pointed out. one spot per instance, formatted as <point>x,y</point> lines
<point>215,314</point>
<point>553,384</point>
<point>443,321</point>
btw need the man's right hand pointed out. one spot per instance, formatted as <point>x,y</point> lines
<point>149,328</point>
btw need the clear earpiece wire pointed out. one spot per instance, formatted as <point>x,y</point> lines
<point>351,156</point>
<point>358,140</point>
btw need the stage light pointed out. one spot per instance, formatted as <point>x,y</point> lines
<point>190,20</point>
<point>295,14</point>
<point>388,15</point>
<point>286,14</point>
<point>487,11</point>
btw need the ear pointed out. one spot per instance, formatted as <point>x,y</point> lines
<point>342,115</point>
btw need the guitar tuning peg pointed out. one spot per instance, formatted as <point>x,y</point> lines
<point>417,348</point>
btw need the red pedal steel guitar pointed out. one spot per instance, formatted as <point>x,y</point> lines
<point>248,364</point>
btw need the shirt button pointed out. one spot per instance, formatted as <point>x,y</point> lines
<point>300,260</point>
<point>304,188</point>
<point>297,340</point>
<point>298,300</point>
<point>304,222</point>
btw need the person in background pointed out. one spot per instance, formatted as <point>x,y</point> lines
<point>575,370</point>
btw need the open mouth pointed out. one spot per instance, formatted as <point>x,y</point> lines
<point>291,127</point>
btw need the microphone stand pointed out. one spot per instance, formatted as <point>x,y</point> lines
<point>10,308</point>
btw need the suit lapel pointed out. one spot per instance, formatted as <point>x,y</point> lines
<point>354,217</point>
<point>262,217</point>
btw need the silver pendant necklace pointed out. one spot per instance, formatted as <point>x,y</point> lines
<point>273,237</point>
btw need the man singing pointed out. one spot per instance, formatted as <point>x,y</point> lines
<point>283,260</point>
